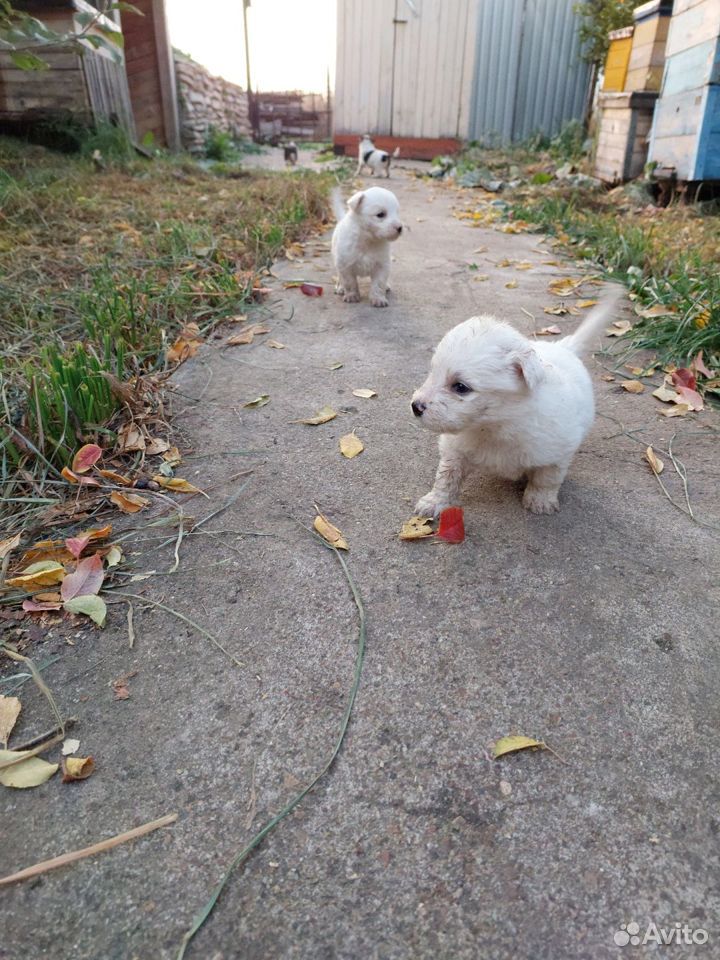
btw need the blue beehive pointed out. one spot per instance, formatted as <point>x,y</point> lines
<point>686,128</point>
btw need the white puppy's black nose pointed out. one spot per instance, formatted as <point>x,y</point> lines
<point>418,408</point>
<point>399,230</point>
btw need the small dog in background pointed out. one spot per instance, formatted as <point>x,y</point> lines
<point>376,160</point>
<point>361,242</point>
<point>291,153</point>
<point>508,406</point>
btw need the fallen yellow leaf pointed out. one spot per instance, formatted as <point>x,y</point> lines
<point>324,415</point>
<point>351,445</point>
<point>656,310</point>
<point>565,286</point>
<point>633,386</point>
<point>176,484</point>
<point>116,478</point>
<point>511,284</point>
<point>172,456</point>
<point>417,528</point>
<point>330,533</point>
<point>584,304</point>
<point>365,393</point>
<point>678,410</point>
<point>9,712</point>
<point>665,393</point>
<point>42,574</point>
<point>275,344</point>
<point>77,768</point>
<point>656,464</point>
<point>258,401</point>
<point>512,743</point>
<point>128,502</point>
<point>25,773</point>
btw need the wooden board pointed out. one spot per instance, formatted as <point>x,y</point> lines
<point>616,64</point>
<point>693,26</point>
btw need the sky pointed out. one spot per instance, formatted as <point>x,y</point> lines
<point>292,42</point>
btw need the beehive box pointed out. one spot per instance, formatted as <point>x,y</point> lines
<point>647,54</point>
<point>686,128</point>
<point>624,125</point>
<point>616,62</point>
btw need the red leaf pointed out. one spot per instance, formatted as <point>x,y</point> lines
<point>76,545</point>
<point>311,289</point>
<point>684,378</point>
<point>86,457</point>
<point>691,397</point>
<point>86,579</point>
<point>452,527</point>
<point>33,606</point>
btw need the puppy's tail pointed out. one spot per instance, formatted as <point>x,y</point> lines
<point>581,341</point>
<point>396,152</point>
<point>337,204</point>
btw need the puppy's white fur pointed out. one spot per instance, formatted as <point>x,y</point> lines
<point>376,160</point>
<point>361,242</point>
<point>527,409</point>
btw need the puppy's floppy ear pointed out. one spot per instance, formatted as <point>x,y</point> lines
<point>528,366</point>
<point>356,200</point>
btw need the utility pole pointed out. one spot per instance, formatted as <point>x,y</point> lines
<point>252,106</point>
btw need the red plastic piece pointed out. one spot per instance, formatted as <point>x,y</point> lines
<point>452,526</point>
<point>311,289</point>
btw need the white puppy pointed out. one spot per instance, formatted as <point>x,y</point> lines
<point>370,156</point>
<point>508,406</point>
<point>361,242</point>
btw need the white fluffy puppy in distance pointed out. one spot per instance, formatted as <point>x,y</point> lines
<point>361,242</point>
<point>508,406</point>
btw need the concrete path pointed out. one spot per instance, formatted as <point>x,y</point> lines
<point>594,630</point>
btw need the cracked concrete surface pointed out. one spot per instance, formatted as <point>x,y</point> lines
<point>594,630</point>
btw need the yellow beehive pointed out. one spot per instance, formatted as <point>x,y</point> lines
<point>647,56</point>
<point>618,58</point>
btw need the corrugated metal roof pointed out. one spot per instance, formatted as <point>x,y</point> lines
<point>528,73</point>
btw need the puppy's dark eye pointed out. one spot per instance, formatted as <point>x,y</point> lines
<point>461,388</point>
<point>380,215</point>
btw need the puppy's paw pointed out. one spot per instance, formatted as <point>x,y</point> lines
<point>540,501</point>
<point>431,505</point>
<point>379,301</point>
<point>351,297</point>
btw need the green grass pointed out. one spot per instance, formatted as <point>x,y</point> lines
<point>646,256</point>
<point>102,268</point>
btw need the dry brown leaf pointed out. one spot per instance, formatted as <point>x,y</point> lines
<point>656,310</point>
<point>128,502</point>
<point>365,393</point>
<point>116,478</point>
<point>678,410</point>
<point>559,310</point>
<point>71,477</point>
<point>666,393</point>
<point>172,456</point>
<point>7,545</point>
<point>130,438</point>
<point>633,386</point>
<point>186,345</point>
<point>245,337</point>
<point>275,344</point>
<point>656,464</point>
<point>9,712</point>
<point>417,528</point>
<point>330,533</point>
<point>548,331</point>
<point>324,415</point>
<point>511,284</point>
<point>351,445</point>
<point>156,445</point>
<point>607,377</point>
<point>77,768</point>
<point>565,286</point>
<point>619,328</point>
<point>584,304</point>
